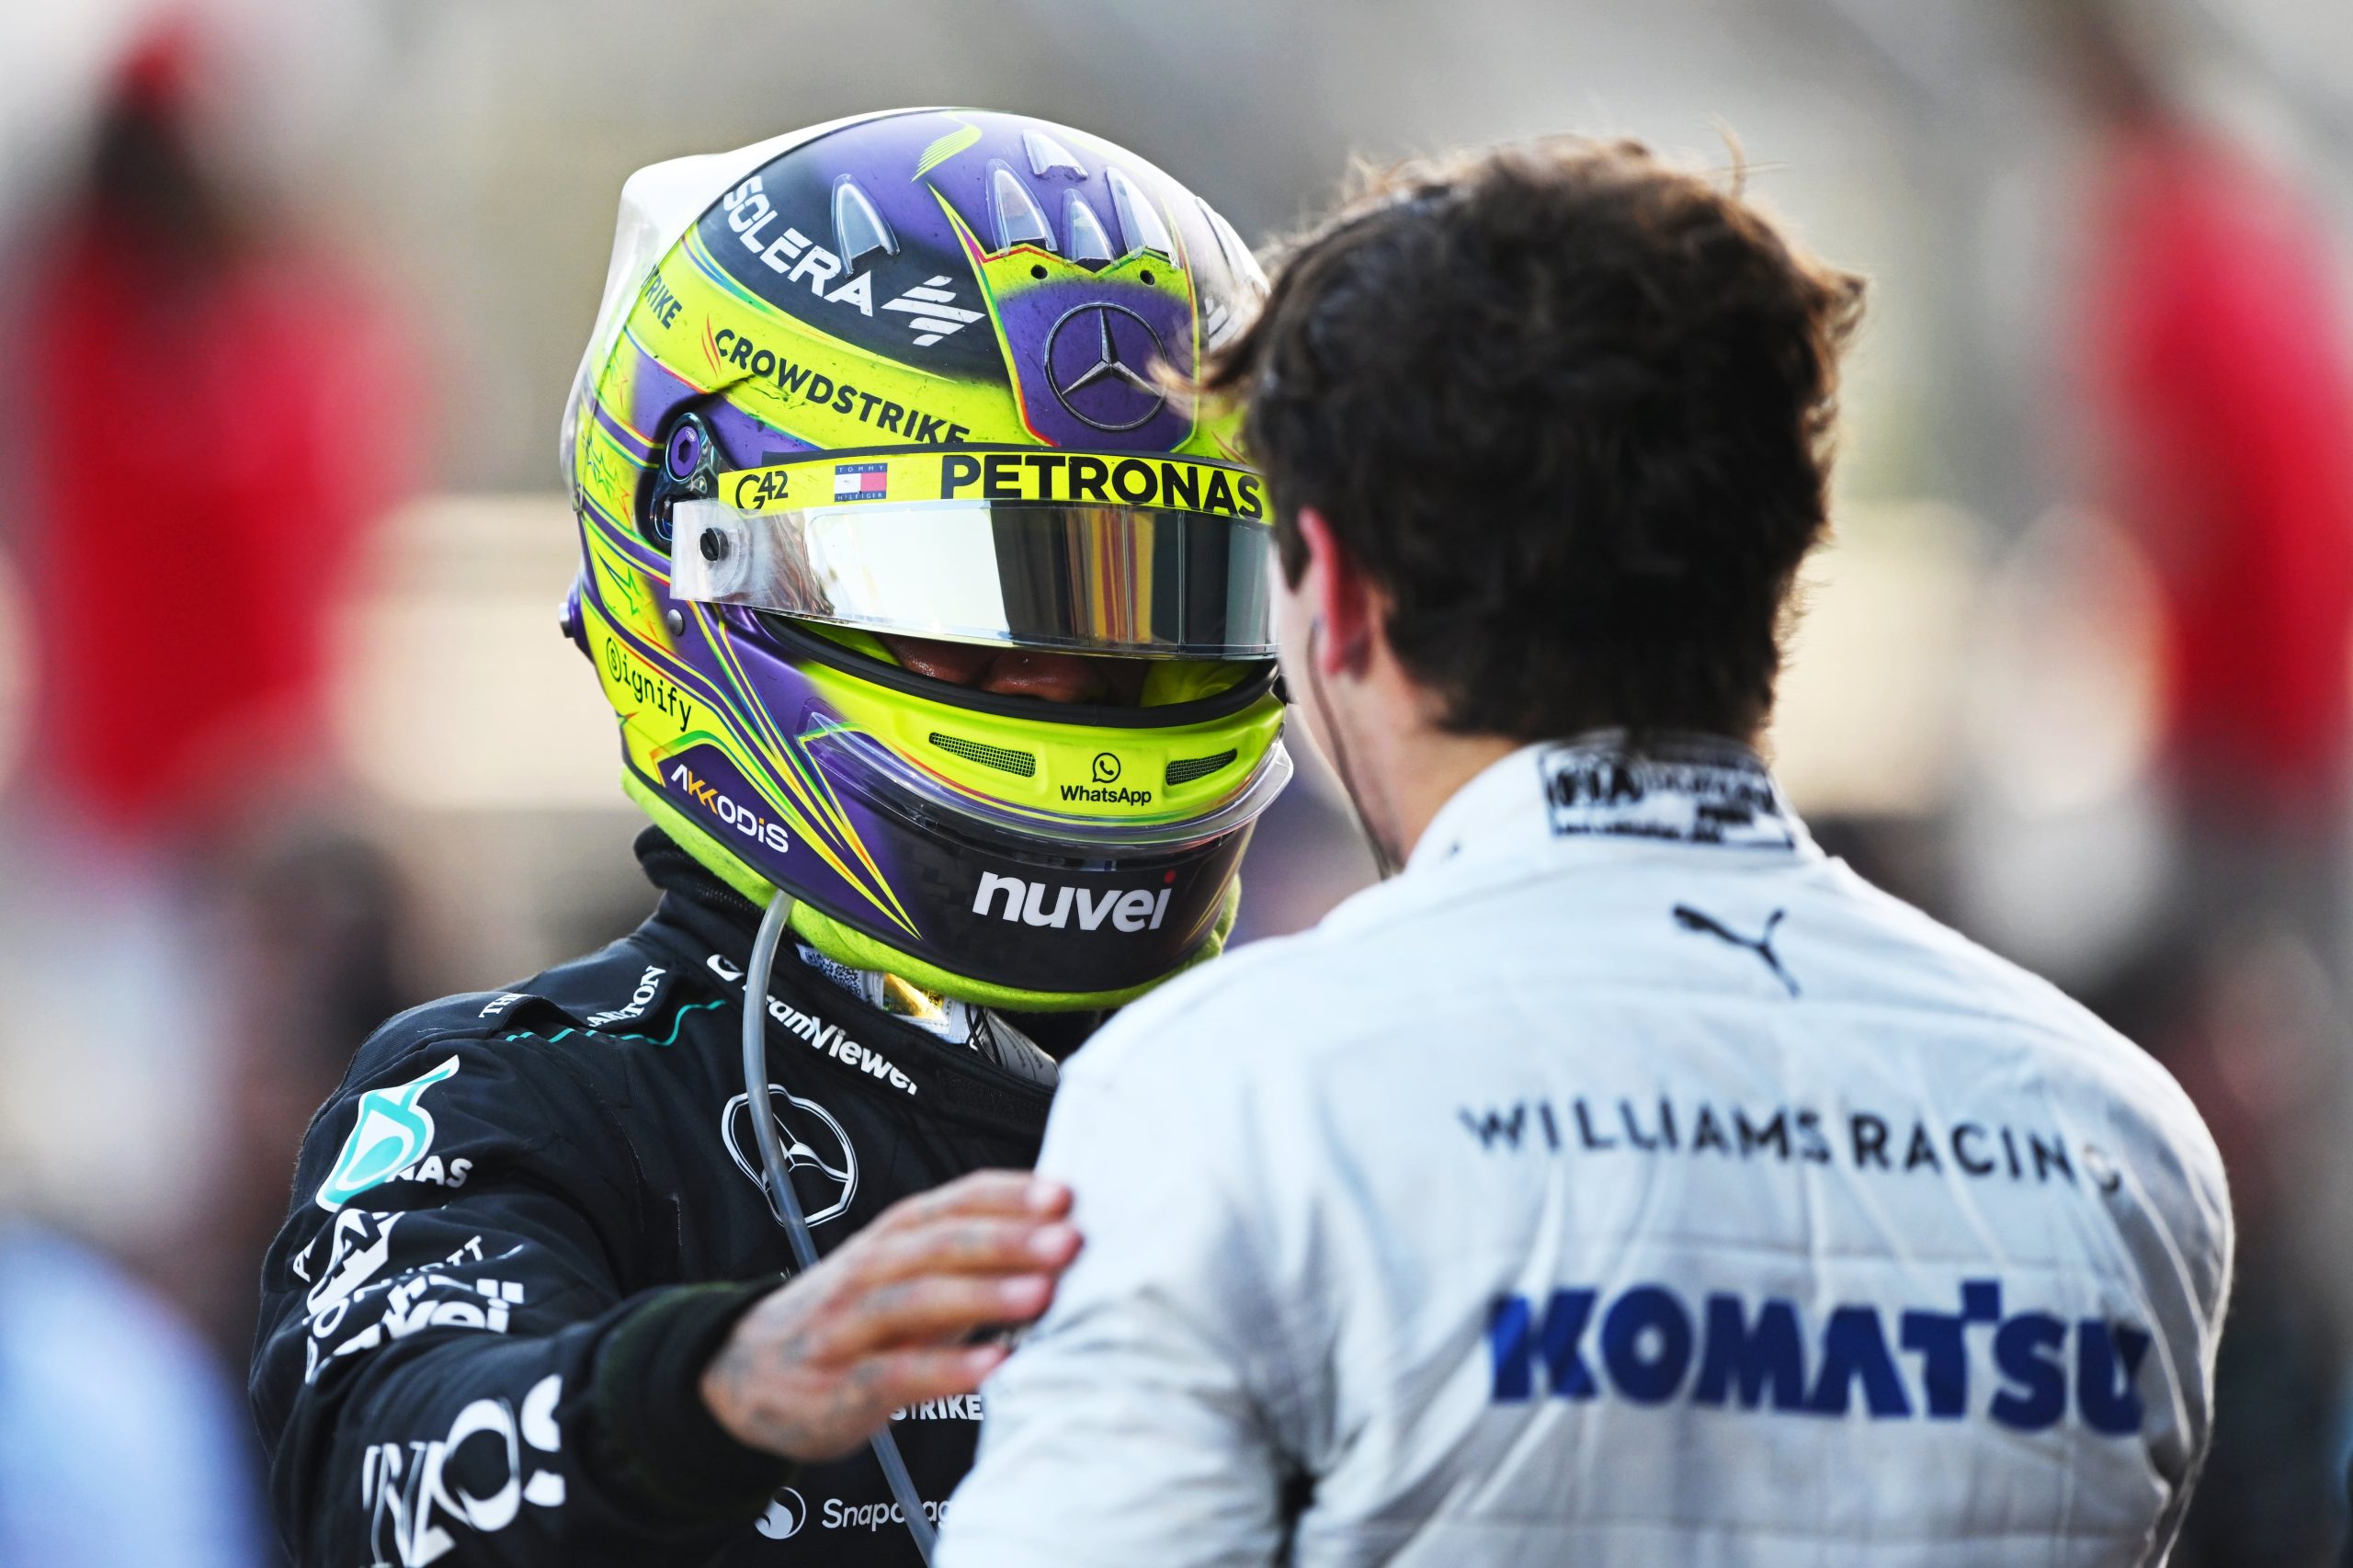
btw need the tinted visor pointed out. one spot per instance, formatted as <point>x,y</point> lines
<point>841,543</point>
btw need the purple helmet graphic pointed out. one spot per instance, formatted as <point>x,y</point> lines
<point>909,375</point>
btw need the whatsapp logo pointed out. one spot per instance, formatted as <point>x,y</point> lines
<point>393,1133</point>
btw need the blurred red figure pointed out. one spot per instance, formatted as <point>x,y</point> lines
<point>2220,358</point>
<point>2221,384</point>
<point>215,418</point>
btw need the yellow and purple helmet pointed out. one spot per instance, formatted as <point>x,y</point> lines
<point>906,374</point>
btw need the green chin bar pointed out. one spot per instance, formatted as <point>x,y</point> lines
<point>858,951</point>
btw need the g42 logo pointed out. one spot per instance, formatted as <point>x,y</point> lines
<point>755,491</point>
<point>1106,768</point>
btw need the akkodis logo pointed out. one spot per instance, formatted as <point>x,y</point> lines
<point>743,819</point>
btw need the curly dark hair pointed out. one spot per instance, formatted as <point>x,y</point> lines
<point>1570,409</point>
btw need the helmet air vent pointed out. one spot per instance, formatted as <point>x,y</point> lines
<point>1088,239</point>
<point>1046,153</point>
<point>1237,254</point>
<point>1018,220</point>
<point>1140,222</point>
<point>999,757</point>
<point>1221,320</point>
<point>1187,770</point>
<point>859,227</point>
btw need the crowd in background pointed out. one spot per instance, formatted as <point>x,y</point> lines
<point>2112,337</point>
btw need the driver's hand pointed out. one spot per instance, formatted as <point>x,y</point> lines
<point>819,1364</point>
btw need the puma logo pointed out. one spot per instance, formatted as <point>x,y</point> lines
<point>1691,919</point>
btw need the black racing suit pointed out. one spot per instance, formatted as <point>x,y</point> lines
<point>529,1217</point>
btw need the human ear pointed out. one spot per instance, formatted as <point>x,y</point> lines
<point>1339,596</point>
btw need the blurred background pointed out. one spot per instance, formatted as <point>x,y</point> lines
<point>290,296</point>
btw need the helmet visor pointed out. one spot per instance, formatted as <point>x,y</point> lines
<point>907,542</point>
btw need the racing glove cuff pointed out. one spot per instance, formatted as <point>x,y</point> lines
<point>653,1434</point>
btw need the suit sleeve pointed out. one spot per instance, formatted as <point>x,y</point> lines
<point>1145,1419</point>
<point>452,1366</point>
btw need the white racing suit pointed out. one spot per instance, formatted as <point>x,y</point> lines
<point>1627,1183</point>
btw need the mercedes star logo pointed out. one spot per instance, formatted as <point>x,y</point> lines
<point>815,1148</point>
<point>1107,391</point>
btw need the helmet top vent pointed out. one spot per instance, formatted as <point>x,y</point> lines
<point>1140,222</point>
<point>1047,155</point>
<point>859,228</point>
<point>1089,240</point>
<point>1018,219</point>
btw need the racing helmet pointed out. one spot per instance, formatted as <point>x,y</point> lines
<point>910,373</point>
